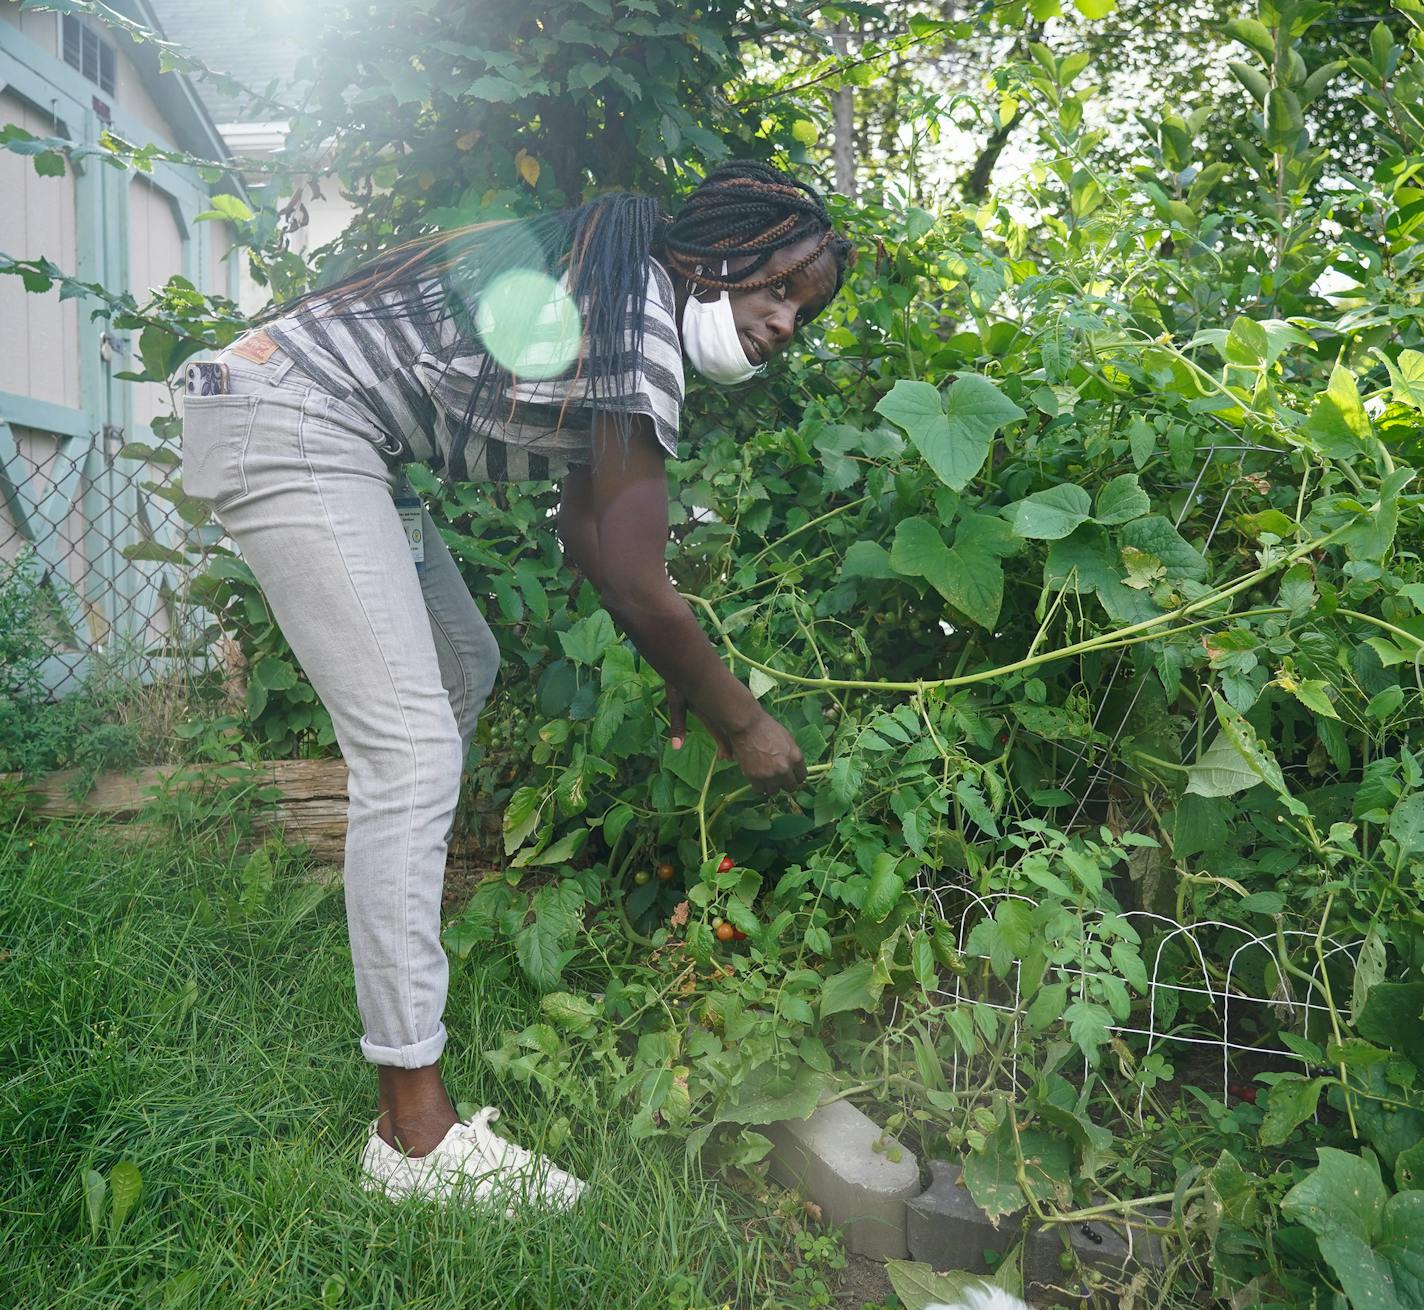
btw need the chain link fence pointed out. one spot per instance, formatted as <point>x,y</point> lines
<point>97,553</point>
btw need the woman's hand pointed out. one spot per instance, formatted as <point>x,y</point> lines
<point>767,753</point>
<point>769,756</point>
<point>677,724</point>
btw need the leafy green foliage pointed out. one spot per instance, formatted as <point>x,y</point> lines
<point>1077,553</point>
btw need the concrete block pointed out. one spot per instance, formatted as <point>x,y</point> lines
<point>947,1230</point>
<point>1105,1246</point>
<point>829,1159</point>
<point>944,1227</point>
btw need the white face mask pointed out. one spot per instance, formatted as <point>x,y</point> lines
<point>711,342</point>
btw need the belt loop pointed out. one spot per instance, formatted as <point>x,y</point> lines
<point>285,364</point>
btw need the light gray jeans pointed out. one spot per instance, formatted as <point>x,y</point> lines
<point>402,660</point>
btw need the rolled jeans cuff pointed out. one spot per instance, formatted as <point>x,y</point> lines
<point>415,1056</point>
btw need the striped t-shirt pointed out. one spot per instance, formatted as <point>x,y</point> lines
<point>412,374</point>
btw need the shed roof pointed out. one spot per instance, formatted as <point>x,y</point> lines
<point>257,42</point>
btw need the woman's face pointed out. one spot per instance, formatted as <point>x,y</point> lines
<point>768,318</point>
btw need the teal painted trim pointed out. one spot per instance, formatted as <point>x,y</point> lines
<point>25,57</point>
<point>121,598</point>
<point>26,412</point>
<point>28,82</point>
<point>90,187</point>
<point>71,83</point>
<point>115,504</point>
<point>14,475</point>
<point>173,93</point>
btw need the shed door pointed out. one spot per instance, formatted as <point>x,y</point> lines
<point>53,408</point>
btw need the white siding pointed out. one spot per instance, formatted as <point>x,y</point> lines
<point>219,266</point>
<point>41,28</point>
<point>39,335</point>
<point>155,254</point>
<point>131,94</point>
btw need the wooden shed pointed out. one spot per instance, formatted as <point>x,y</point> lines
<point>68,499</point>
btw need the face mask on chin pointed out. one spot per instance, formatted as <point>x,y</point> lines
<point>711,342</point>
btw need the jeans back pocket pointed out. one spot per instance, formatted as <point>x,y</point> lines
<point>215,435</point>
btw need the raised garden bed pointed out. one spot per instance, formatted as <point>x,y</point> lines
<point>310,808</point>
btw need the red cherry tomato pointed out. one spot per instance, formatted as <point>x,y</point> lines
<point>666,871</point>
<point>724,932</point>
<point>727,864</point>
<point>738,935</point>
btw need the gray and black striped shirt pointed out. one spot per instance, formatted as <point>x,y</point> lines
<point>412,373</point>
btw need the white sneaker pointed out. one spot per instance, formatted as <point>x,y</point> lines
<point>470,1163</point>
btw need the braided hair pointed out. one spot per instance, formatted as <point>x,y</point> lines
<point>749,209</point>
<point>744,210</point>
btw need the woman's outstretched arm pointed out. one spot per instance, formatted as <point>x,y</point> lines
<point>614,525</point>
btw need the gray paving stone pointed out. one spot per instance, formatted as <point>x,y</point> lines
<point>829,1159</point>
<point>944,1227</point>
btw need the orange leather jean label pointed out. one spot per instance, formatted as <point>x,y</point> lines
<point>256,346</point>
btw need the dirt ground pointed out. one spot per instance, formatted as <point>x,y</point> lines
<point>861,1280</point>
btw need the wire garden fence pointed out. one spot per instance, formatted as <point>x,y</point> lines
<point>1219,998</point>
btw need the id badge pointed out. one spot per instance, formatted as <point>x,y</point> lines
<point>412,517</point>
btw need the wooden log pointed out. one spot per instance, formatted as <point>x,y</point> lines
<point>310,808</point>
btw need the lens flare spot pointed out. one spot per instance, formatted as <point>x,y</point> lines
<point>529,323</point>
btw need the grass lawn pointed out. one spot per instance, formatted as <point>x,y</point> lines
<point>143,1020</point>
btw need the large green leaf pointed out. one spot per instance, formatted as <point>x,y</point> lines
<point>953,436</point>
<point>520,816</point>
<point>867,559</point>
<point>1235,761</point>
<point>1155,535</point>
<point>1084,562</point>
<point>1338,424</point>
<point>1406,377</point>
<point>990,1173</point>
<point>586,641</point>
<point>919,1287</point>
<point>1052,514</point>
<point>1373,1242</point>
<point>1254,33</point>
<point>1290,1102</point>
<point>1251,78</point>
<point>1393,1016</point>
<point>1122,500</point>
<point>1221,771</point>
<point>851,989</point>
<point>968,574</point>
<point>885,888</point>
<point>793,1099</point>
<point>541,955</point>
<point>1406,824</point>
<point>125,1184</point>
<point>1283,118</point>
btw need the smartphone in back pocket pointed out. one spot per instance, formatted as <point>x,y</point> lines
<point>207,380</point>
